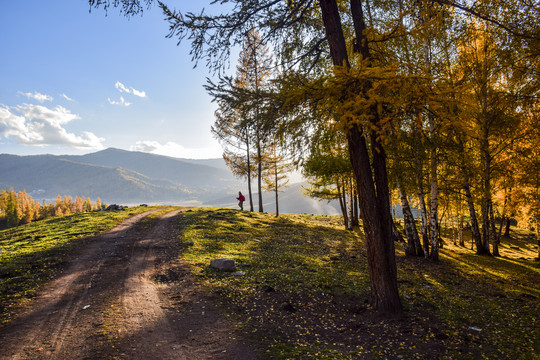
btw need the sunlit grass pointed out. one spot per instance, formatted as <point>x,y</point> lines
<point>32,254</point>
<point>305,290</point>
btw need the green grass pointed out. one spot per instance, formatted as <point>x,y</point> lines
<point>305,291</point>
<point>32,254</point>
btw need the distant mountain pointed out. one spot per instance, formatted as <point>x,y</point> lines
<point>119,176</point>
<point>190,173</point>
<point>46,176</point>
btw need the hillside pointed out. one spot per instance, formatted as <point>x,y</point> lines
<point>46,176</point>
<point>189,173</point>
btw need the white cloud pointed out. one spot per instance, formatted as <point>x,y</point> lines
<point>121,87</point>
<point>129,90</point>
<point>141,94</point>
<point>40,126</point>
<point>122,102</point>
<point>175,150</point>
<point>37,96</point>
<point>66,97</point>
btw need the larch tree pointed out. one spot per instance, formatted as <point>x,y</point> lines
<point>234,135</point>
<point>246,118</point>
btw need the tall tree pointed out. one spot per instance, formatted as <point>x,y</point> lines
<point>246,118</point>
<point>234,135</point>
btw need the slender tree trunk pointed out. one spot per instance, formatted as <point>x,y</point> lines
<point>460,228</point>
<point>497,240</point>
<point>414,247</point>
<point>433,164</point>
<point>259,171</point>
<point>486,196</point>
<point>354,195</point>
<point>249,173</point>
<point>538,236</point>
<point>421,199</point>
<point>343,205</point>
<point>372,184</point>
<point>434,196</point>
<point>475,229</point>
<point>277,188</point>
<point>351,205</point>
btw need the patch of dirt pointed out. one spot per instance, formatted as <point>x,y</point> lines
<point>126,295</point>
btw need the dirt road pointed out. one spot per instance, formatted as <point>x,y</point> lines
<point>126,295</point>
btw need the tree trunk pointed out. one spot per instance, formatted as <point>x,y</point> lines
<point>422,201</point>
<point>434,196</point>
<point>433,164</point>
<point>507,230</point>
<point>414,247</point>
<point>343,205</point>
<point>259,172</point>
<point>373,195</point>
<point>460,229</point>
<point>351,204</point>
<point>277,188</point>
<point>354,220</point>
<point>475,229</point>
<point>249,173</point>
<point>486,196</point>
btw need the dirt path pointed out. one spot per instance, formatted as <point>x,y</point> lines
<point>126,295</point>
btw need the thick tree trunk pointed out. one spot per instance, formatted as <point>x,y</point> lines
<point>373,195</point>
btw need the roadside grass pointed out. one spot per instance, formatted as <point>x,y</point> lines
<point>33,254</point>
<point>305,291</point>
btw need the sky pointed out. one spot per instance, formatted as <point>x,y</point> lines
<point>76,82</point>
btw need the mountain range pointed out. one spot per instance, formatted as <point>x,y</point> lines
<point>129,177</point>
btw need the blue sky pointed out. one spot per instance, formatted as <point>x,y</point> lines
<point>74,82</point>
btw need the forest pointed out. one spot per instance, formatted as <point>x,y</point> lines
<point>430,103</point>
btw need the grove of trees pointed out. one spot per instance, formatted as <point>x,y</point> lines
<point>18,208</point>
<point>434,103</point>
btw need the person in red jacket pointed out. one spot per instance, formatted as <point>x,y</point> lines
<point>241,200</point>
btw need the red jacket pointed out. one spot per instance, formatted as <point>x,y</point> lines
<point>241,198</point>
